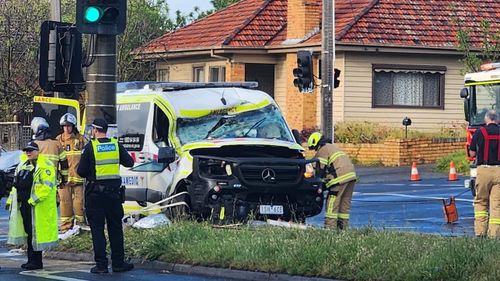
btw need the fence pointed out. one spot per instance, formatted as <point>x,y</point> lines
<point>13,135</point>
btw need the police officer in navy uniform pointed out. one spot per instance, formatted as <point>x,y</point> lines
<point>100,166</point>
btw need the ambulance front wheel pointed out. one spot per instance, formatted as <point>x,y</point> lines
<point>181,211</point>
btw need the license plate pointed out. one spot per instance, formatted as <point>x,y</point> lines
<point>130,180</point>
<point>271,210</point>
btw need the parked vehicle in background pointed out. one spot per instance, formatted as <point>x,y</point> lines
<point>8,164</point>
<point>481,93</point>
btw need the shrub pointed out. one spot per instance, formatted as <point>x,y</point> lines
<point>361,132</point>
<point>460,160</point>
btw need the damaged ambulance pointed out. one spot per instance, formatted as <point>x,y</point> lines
<point>225,147</point>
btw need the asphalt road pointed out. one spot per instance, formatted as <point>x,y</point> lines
<point>410,206</point>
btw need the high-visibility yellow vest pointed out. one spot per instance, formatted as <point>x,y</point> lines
<point>107,159</point>
<point>43,201</point>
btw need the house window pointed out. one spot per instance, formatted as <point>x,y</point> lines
<point>199,74</point>
<point>217,74</point>
<point>408,86</point>
<point>163,75</point>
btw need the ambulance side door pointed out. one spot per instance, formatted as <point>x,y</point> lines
<point>160,179</point>
<point>135,135</point>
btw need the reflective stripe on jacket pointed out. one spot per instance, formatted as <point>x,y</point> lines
<point>72,144</point>
<point>338,167</point>
<point>43,211</point>
<point>53,151</point>
<point>107,159</point>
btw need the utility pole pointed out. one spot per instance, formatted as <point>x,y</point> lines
<point>103,20</point>
<point>55,15</point>
<point>327,67</point>
<point>101,80</point>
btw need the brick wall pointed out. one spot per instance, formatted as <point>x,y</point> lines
<point>235,72</point>
<point>402,152</point>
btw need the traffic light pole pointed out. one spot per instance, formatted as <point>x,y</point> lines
<point>327,67</point>
<point>101,81</point>
<point>55,15</point>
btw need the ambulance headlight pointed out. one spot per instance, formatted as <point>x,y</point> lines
<point>309,171</point>
<point>214,167</point>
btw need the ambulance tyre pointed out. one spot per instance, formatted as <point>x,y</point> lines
<point>182,211</point>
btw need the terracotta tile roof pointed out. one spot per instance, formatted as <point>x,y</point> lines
<point>346,14</point>
<point>212,30</point>
<point>422,23</point>
<point>263,27</point>
<point>409,23</point>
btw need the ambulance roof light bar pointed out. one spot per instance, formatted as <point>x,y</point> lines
<point>490,66</point>
<point>173,86</point>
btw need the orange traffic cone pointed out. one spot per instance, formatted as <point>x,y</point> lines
<point>414,172</point>
<point>452,176</point>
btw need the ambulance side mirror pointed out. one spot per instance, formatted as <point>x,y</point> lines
<point>166,155</point>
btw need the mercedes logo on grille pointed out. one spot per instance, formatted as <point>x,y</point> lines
<point>268,175</point>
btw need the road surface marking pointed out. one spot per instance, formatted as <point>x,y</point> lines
<point>49,275</point>
<point>417,197</point>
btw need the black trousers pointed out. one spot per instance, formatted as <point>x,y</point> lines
<point>34,257</point>
<point>101,208</point>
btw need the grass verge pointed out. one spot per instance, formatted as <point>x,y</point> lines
<point>462,165</point>
<point>364,254</point>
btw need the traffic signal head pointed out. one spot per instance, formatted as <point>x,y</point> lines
<point>303,73</point>
<point>107,17</point>
<point>336,75</point>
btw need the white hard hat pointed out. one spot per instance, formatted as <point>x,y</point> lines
<point>68,118</point>
<point>39,124</point>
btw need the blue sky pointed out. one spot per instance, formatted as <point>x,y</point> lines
<point>186,6</point>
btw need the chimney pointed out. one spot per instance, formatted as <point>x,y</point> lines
<point>304,18</point>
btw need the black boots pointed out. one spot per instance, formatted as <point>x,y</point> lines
<point>125,266</point>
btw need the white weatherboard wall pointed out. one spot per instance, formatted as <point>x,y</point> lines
<point>357,92</point>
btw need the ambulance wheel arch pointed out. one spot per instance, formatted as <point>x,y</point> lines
<point>181,211</point>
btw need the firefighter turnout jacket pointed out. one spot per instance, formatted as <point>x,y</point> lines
<point>336,166</point>
<point>44,207</point>
<point>72,145</point>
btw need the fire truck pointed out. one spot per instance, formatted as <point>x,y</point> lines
<point>481,93</point>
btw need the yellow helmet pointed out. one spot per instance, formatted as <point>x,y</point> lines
<point>314,139</point>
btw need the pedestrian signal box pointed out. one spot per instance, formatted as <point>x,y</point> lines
<point>106,17</point>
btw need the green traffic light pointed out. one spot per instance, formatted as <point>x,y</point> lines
<point>92,14</point>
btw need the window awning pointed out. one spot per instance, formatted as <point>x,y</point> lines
<point>423,71</point>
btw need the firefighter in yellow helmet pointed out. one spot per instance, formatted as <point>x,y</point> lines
<point>339,179</point>
<point>33,207</point>
<point>71,194</point>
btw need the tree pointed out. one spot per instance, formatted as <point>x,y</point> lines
<point>489,51</point>
<point>147,20</point>
<point>473,55</point>
<point>218,5</point>
<point>19,40</point>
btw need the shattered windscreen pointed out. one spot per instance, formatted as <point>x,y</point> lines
<point>266,123</point>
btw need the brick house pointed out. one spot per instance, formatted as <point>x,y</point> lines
<point>398,57</point>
